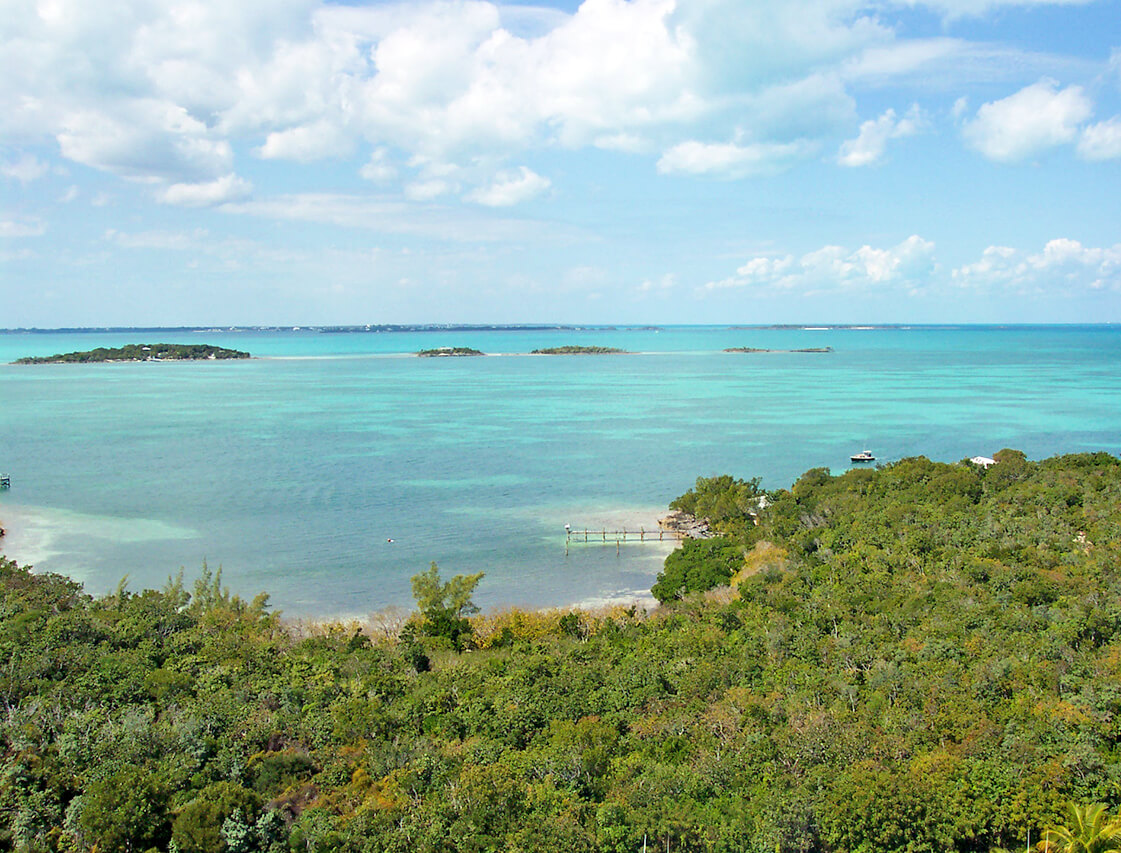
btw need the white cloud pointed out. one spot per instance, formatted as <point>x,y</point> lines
<point>1063,265</point>
<point>305,143</point>
<point>966,8</point>
<point>1038,117</point>
<point>659,285</point>
<point>1101,141</point>
<point>146,140</point>
<point>71,194</point>
<point>510,188</point>
<point>167,92</point>
<point>731,160</point>
<point>22,227</point>
<point>378,169</point>
<point>910,263</point>
<point>427,190</point>
<point>173,240</point>
<point>870,144</point>
<point>206,194</point>
<point>396,217</point>
<point>164,91</point>
<point>26,169</point>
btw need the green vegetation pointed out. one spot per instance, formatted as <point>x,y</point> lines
<point>1088,829</point>
<point>918,657</point>
<point>574,350</point>
<point>140,352</point>
<point>449,352</point>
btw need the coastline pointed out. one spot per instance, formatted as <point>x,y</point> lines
<point>39,537</point>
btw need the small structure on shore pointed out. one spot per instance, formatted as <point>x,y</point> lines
<point>983,461</point>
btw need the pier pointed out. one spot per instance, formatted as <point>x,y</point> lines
<point>603,536</point>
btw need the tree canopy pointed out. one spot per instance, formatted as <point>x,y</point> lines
<point>921,657</point>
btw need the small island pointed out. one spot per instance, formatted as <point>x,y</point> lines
<point>757,349</point>
<point>574,350</point>
<point>139,352</point>
<point>449,352</point>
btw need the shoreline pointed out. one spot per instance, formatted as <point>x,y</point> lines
<point>36,537</point>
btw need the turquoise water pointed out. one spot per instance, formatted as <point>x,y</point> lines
<point>293,469</point>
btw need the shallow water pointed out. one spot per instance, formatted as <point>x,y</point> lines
<point>292,470</point>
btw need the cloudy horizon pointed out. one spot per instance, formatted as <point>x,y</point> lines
<point>652,161</point>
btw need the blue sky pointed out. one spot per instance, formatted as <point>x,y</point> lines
<point>652,161</point>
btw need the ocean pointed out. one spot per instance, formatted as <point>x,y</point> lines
<point>293,470</point>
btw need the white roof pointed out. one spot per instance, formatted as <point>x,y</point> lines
<point>983,461</point>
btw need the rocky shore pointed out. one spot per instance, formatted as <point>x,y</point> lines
<point>685,526</point>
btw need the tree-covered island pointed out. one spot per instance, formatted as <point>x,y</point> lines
<point>449,352</point>
<point>577,350</point>
<point>140,352</point>
<point>920,657</point>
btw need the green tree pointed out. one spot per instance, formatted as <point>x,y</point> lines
<point>125,812</point>
<point>445,606</point>
<point>198,828</point>
<point>698,565</point>
<point>1088,830</point>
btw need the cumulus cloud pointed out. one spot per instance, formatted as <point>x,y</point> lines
<point>1038,117</point>
<point>870,144</point>
<point>164,92</point>
<point>1063,264</point>
<point>208,193</point>
<point>22,227</point>
<point>910,263</point>
<point>26,169</point>
<point>167,92</point>
<point>145,140</point>
<point>305,143</point>
<point>730,159</point>
<point>510,188</point>
<point>378,169</point>
<point>1101,141</point>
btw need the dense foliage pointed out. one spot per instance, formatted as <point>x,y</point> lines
<point>920,657</point>
<point>449,352</point>
<point>140,352</point>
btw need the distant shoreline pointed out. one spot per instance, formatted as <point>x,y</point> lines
<point>389,328</point>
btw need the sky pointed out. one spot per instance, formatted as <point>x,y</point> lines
<point>260,162</point>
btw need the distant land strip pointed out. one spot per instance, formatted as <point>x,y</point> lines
<point>139,352</point>
<point>757,349</point>
<point>575,350</point>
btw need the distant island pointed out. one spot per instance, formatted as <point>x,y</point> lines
<point>449,352</point>
<point>139,352</point>
<point>757,349</point>
<point>574,350</point>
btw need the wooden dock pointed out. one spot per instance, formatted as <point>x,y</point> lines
<point>603,536</point>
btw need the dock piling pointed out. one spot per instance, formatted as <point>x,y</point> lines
<point>620,536</point>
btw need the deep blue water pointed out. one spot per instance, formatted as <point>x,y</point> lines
<point>293,469</point>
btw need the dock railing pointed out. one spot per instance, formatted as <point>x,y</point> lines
<point>603,536</point>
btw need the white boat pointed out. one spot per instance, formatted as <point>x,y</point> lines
<point>863,456</point>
